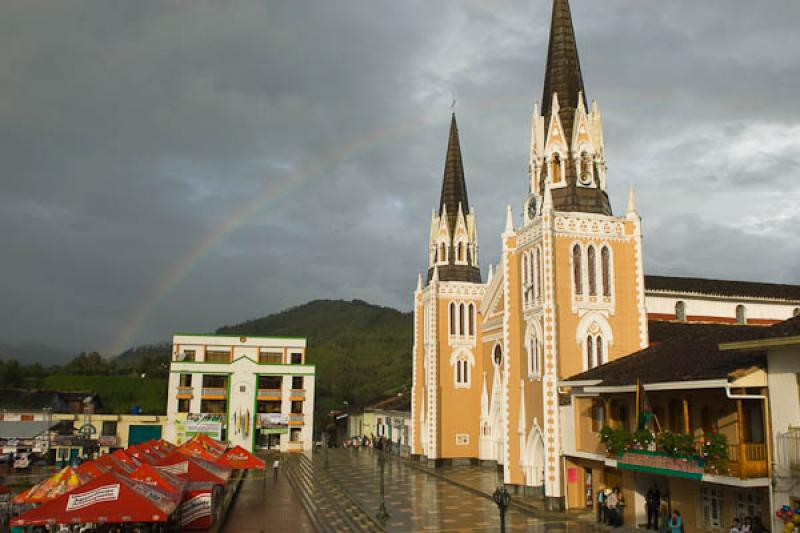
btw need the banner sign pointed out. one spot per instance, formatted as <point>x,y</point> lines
<point>661,463</point>
<point>106,493</point>
<point>272,421</point>
<point>195,508</point>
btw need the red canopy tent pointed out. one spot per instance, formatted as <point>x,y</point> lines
<point>152,448</point>
<point>125,458</point>
<point>93,469</point>
<point>136,451</point>
<point>54,486</point>
<point>193,468</point>
<point>214,446</point>
<point>114,464</point>
<point>195,449</point>
<point>240,459</point>
<point>158,478</point>
<point>110,498</point>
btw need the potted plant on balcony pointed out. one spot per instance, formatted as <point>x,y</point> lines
<point>715,452</point>
<point>676,444</point>
<point>616,440</point>
<point>642,439</point>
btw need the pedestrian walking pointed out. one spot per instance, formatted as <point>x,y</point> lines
<point>611,506</point>
<point>652,505</point>
<point>276,465</point>
<point>676,522</point>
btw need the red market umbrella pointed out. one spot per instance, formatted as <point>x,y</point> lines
<point>195,449</point>
<point>93,469</point>
<point>138,453</point>
<point>214,446</point>
<point>158,478</point>
<point>240,459</point>
<point>114,464</point>
<point>195,470</point>
<point>111,498</point>
<point>125,458</point>
<point>61,482</point>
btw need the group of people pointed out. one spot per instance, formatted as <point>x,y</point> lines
<point>658,515</point>
<point>747,525</point>
<point>379,443</point>
<point>610,504</point>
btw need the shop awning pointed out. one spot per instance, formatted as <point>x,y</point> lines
<point>111,498</point>
<point>240,459</point>
<point>59,483</point>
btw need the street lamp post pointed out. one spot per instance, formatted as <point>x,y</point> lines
<point>502,498</point>
<point>382,515</point>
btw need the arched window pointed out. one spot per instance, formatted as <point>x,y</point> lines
<point>576,269</point>
<point>463,371</point>
<point>605,258</point>
<point>538,267</point>
<point>525,280</point>
<point>442,253</point>
<point>592,267</point>
<point>498,355</point>
<point>680,311</point>
<point>461,251</point>
<point>452,318</point>
<point>534,359</point>
<point>461,319</point>
<point>589,352</point>
<point>601,356</point>
<point>471,319</point>
<point>741,314</point>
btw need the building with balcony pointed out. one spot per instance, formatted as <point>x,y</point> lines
<point>389,418</point>
<point>255,392</point>
<point>707,410</point>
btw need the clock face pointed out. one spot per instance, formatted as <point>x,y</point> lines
<point>531,207</point>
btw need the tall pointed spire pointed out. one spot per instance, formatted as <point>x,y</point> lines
<point>454,187</point>
<point>454,235</point>
<point>563,71</point>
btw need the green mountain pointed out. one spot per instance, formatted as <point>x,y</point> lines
<point>362,351</point>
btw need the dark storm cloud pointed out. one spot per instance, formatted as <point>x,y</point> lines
<point>131,131</point>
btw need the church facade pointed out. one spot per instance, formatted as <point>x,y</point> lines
<point>567,295</point>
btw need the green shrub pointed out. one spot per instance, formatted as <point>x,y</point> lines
<point>715,452</point>
<point>642,438</point>
<point>616,440</point>
<point>676,444</point>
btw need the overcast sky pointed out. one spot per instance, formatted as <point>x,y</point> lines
<point>176,166</point>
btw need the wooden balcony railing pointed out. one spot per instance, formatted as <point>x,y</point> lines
<point>269,394</point>
<point>213,393</point>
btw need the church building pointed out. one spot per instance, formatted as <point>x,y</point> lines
<point>568,294</point>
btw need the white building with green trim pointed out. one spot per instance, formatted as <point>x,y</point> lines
<point>255,392</point>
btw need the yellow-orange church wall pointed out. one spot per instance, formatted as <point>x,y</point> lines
<point>623,322</point>
<point>459,408</point>
<point>419,371</point>
<point>586,438</point>
<point>515,358</point>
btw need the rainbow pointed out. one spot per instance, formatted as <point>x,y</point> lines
<point>179,269</point>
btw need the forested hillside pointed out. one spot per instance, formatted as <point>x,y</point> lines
<point>362,351</point>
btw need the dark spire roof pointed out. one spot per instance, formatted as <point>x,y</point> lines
<point>563,76</point>
<point>454,188</point>
<point>563,71</point>
<point>454,192</point>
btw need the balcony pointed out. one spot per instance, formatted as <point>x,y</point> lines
<point>213,393</point>
<point>296,419</point>
<point>297,394</point>
<point>747,460</point>
<point>268,394</point>
<point>184,393</point>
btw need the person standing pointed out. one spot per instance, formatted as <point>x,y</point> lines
<point>735,528</point>
<point>620,514</point>
<point>611,506</point>
<point>652,504</point>
<point>676,522</point>
<point>601,504</point>
<point>663,519</point>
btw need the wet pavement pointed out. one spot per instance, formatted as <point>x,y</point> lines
<point>266,504</point>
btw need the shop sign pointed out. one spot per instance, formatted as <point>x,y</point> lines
<point>206,424</point>
<point>661,463</point>
<point>275,431</point>
<point>195,508</point>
